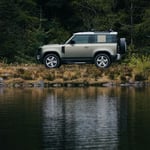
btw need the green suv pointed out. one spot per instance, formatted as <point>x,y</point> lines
<point>99,48</point>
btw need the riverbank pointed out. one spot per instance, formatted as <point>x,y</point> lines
<point>35,75</point>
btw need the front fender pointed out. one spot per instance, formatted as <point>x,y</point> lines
<point>48,51</point>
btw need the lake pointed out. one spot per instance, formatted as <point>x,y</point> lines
<point>93,118</point>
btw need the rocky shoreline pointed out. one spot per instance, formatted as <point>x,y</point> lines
<point>30,76</point>
<point>42,84</point>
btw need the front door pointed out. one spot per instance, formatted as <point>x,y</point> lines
<point>81,48</point>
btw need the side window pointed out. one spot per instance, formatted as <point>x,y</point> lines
<point>111,38</point>
<point>101,39</point>
<point>80,39</point>
<point>106,38</point>
<point>92,39</point>
<point>83,39</point>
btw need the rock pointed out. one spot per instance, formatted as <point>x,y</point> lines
<point>1,81</point>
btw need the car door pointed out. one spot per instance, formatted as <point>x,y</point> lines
<point>78,47</point>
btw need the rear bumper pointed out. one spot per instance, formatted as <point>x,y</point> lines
<point>116,57</point>
<point>119,56</point>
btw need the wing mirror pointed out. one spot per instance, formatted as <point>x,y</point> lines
<point>72,42</point>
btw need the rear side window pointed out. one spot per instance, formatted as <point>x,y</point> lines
<point>111,38</point>
<point>101,39</point>
<point>106,38</point>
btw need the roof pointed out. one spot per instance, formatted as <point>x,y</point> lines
<point>97,32</point>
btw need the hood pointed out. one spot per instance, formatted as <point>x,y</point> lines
<point>52,46</point>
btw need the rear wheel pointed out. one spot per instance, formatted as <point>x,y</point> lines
<point>102,60</point>
<point>52,61</point>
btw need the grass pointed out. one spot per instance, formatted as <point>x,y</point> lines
<point>135,68</point>
<point>141,67</point>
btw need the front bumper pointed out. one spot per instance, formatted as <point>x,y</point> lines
<point>38,55</point>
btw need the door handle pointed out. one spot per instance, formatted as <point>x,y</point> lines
<point>86,47</point>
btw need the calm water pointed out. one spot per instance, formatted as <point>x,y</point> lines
<point>75,119</point>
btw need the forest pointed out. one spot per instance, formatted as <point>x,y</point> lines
<point>27,24</point>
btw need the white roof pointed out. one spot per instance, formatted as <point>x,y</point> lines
<point>83,33</point>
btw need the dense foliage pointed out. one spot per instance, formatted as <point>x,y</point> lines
<point>27,24</point>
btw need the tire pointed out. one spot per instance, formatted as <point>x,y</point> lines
<point>122,45</point>
<point>51,61</point>
<point>102,60</point>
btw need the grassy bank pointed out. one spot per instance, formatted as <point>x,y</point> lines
<point>129,71</point>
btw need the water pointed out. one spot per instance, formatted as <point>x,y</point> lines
<point>75,119</point>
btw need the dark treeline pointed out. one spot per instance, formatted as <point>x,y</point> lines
<point>27,24</point>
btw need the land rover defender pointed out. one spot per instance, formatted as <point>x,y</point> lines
<point>99,48</point>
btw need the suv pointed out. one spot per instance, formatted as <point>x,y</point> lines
<point>100,48</point>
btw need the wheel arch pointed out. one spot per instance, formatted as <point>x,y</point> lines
<point>51,52</point>
<point>102,52</point>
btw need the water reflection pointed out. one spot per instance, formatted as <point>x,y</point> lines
<point>20,120</point>
<point>80,119</point>
<point>134,119</point>
<point>75,119</point>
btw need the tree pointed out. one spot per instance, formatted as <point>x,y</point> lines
<point>27,24</point>
<point>20,19</point>
<point>142,30</point>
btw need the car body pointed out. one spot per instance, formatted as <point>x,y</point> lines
<point>101,48</point>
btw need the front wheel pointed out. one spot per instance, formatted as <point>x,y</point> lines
<point>52,61</point>
<point>102,60</point>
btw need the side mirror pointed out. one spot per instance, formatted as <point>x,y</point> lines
<point>72,42</point>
